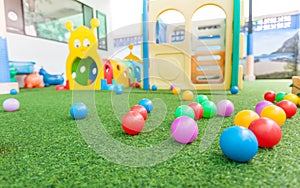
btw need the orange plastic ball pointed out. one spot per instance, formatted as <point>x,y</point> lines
<point>275,113</point>
<point>188,95</point>
<point>176,91</point>
<point>245,117</point>
<point>292,97</point>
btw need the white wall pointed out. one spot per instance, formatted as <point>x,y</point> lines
<point>50,54</point>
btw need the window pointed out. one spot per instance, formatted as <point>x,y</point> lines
<point>102,32</point>
<point>170,27</point>
<point>46,18</point>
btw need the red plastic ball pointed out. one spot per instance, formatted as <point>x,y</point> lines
<point>289,108</point>
<point>270,96</point>
<point>197,109</point>
<point>140,109</point>
<point>267,132</point>
<point>133,122</point>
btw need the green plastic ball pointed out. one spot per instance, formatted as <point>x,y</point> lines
<point>201,98</point>
<point>184,110</point>
<point>280,96</point>
<point>209,108</point>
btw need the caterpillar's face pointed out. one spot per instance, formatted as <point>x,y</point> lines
<point>81,40</point>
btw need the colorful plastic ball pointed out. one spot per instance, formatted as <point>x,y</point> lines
<point>225,108</point>
<point>176,91</point>
<point>261,105</point>
<point>172,87</point>
<point>202,98</point>
<point>154,87</point>
<point>184,110</point>
<point>275,113</point>
<point>234,90</point>
<point>209,108</point>
<point>292,97</point>
<point>119,90</point>
<point>78,111</point>
<point>187,95</point>
<point>280,96</point>
<point>245,117</point>
<point>133,122</point>
<point>140,109</point>
<point>147,103</point>
<point>198,110</point>
<point>184,129</point>
<point>11,105</point>
<point>238,143</point>
<point>270,96</point>
<point>267,132</point>
<point>13,92</point>
<point>289,108</point>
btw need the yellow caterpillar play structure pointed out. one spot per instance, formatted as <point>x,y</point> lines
<point>85,69</point>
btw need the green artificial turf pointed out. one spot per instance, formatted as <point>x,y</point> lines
<point>42,146</point>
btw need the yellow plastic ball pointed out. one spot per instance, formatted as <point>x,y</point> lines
<point>176,91</point>
<point>187,95</point>
<point>245,117</point>
<point>292,97</point>
<point>275,113</point>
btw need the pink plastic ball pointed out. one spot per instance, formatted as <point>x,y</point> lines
<point>11,105</point>
<point>261,105</point>
<point>225,108</point>
<point>184,129</point>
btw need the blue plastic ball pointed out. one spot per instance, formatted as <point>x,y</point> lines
<point>154,87</point>
<point>238,143</point>
<point>78,111</point>
<point>234,89</point>
<point>147,103</point>
<point>13,92</point>
<point>118,90</point>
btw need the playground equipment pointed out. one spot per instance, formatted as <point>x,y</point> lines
<point>137,64</point>
<point>114,73</point>
<point>34,80</point>
<point>5,85</point>
<point>83,63</point>
<point>85,70</point>
<point>50,79</point>
<point>192,62</point>
<point>295,85</point>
